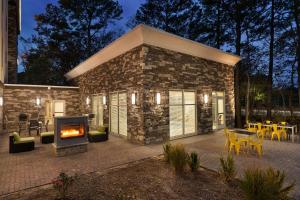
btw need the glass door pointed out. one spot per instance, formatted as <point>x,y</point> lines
<point>118,113</point>
<point>218,110</point>
<point>97,109</point>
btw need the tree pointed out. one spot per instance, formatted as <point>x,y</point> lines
<point>169,15</point>
<point>70,32</point>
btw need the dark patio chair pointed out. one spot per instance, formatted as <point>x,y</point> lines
<point>18,144</point>
<point>23,120</point>
<point>98,135</point>
<point>34,125</point>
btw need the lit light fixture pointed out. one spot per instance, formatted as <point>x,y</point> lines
<point>1,101</point>
<point>88,101</point>
<point>38,101</point>
<point>104,100</point>
<point>205,98</point>
<point>133,98</point>
<point>157,97</point>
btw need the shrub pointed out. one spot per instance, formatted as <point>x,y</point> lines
<point>227,170</point>
<point>178,157</point>
<point>62,183</point>
<point>269,184</point>
<point>167,151</point>
<point>194,161</point>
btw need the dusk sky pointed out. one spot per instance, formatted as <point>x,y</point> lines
<point>34,7</point>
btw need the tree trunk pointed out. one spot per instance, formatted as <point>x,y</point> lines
<point>238,115</point>
<point>248,99</point>
<point>271,58</point>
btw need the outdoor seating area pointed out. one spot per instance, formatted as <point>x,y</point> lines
<point>22,140</point>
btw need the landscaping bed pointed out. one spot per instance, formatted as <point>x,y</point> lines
<point>148,179</point>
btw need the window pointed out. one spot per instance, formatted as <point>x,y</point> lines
<point>118,113</point>
<point>182,112</point>
<point>58,108</point>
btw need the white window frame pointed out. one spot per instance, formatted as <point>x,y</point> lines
<point>64,103</point>
<point>118,118</point>
<point>183,113</point>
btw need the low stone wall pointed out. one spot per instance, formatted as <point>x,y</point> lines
<point>22,98</point>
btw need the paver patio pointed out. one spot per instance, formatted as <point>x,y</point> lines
<point>38,167</point>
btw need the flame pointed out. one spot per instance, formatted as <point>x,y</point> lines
<point>67,133</point>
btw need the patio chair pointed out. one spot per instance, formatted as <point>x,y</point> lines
<point>20,144</point>
<point>22,124</point>
<point>234,143</point>
<point>34,125</point>
<point>99,135</point>
<point>257,144</point>
<point>275,132</point>
<point>251,128</point>
<point>47,137</point>
<point>261,132</point>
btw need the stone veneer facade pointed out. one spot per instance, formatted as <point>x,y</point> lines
<point>20,99</point>
<point>13,32</point>
<point>146,70</point>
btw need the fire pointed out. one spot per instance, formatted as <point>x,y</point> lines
<point>68,133</point>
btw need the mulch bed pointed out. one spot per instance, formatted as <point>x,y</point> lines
<point>147,179</point>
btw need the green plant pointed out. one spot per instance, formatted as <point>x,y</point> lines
<point>62,183</point>
<point>194,161</point>
<point>178,157</point>
<point>167,151</point>
<point>269,184</point>
<point>227,170</point>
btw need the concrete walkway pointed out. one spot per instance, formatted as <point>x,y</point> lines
<point>30,169</point>
<point>39,167</point>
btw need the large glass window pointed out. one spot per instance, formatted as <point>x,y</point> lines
<point>182,112</point>
<point>218,110</point>
<point>97,107</point>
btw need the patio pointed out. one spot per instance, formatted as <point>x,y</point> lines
<point>39,167</point>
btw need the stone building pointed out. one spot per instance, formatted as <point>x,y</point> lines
<point>150,86</point>
<point>9,23</point>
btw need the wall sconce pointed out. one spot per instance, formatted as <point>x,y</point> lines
<point>38,101</point>
<point>157,98</point>
<point>133,98</point>
<point>1,101</point>
<point>205,98</point>
<point>104,100</point>
<point>87,100</point>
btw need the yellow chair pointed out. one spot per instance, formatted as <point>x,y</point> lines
<point>282,131</point>
<point>261,132</point>
<point>275,132</point>
<point>268,122</point>
<point>257,144</point>
<point>234,143</point>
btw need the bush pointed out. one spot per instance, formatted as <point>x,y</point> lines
<point>269,184</point>
<point>167,152</point>
<point>62,183</point>
<point>227,170</point>
<point>178,157</point>
<point>194,161</point>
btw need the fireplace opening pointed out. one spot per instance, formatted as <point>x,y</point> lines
<point>68,131</point>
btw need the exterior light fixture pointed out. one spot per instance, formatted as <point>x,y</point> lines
<point>104,100</point>
<point>157,98</point>
<point>88,101</point>
<point>1,101</point>
<point>133,98</point>
<point>38,101</point>
<point>205,98</point>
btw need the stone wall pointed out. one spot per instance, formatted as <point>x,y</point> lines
<point>19,99</point>
<point>13,32</point>
<point>123,73</point>
<point>165,70</point>
<point>147,70</point>
<point>1,108</point>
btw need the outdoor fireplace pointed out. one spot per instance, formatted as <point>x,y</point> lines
<point>70,135</point>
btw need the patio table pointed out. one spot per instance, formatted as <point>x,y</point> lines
<point>292,127</point>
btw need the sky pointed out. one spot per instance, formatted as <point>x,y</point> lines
<point>30,8</point>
